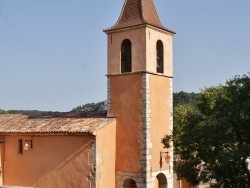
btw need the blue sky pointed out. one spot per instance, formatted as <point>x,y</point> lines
<point>53,52</point>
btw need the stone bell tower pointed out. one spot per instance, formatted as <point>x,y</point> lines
<point>140,74</point>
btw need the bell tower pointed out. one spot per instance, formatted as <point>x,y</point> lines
<point>140,74</point>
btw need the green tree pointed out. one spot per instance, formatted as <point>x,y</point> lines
<point>2,111</point>
<point>183,97</point>
<point>212,136</point>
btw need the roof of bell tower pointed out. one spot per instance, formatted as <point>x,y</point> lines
<point>138,12</point>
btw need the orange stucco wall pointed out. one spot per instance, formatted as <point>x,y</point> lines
<point>1,162</point>
<point>152,36</point>
<point>53,161</point>
<point>160,116</point>
<point>105,156</point>
<point>137,38</point>
<point>143,39</point>
<point>126,106</point>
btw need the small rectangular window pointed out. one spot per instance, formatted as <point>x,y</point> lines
<point>20,146</point>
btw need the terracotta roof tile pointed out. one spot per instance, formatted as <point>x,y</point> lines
<point>7,186</point>
<point>138,12</point>
<point>11,124</point>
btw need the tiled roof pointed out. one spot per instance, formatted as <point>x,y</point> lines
<point>138,12</point>
<point>6,186</point>
<point>14,124</point>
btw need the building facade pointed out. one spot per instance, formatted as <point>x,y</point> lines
<point>50,152</point>
<point>140,73</point>
<point>122,150</point>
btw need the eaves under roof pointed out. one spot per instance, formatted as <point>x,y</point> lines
<point>22,124</point>
<point>138,12</point>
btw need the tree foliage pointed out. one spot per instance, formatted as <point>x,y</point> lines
<point>2,111</point>
<point>91,107</point>
<point>212,136</point>
<point>184,97</point>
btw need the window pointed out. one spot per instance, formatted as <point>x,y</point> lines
<point>126,56</point>
<point>159,57</point>
<point>20,146</point>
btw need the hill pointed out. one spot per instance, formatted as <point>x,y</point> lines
<point>95,109</point>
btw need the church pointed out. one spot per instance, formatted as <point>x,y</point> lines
<point>121,150</point>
